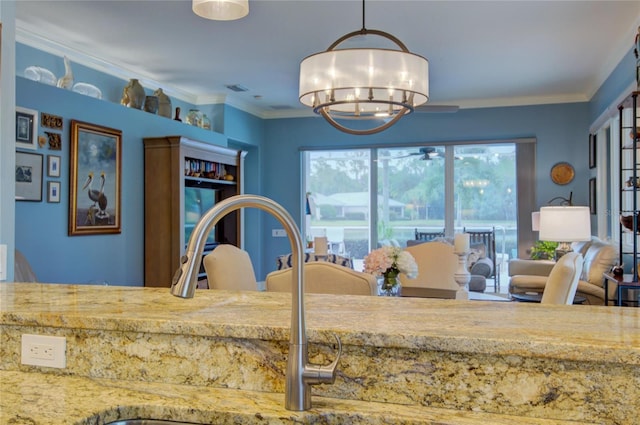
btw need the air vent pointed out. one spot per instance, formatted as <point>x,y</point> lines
<point>236,87</point>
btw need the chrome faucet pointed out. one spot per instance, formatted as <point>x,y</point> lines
<point>300,375</point>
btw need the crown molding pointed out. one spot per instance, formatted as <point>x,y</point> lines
<point>501,102</point>
<point>30,37</point>
<point>615,57</point>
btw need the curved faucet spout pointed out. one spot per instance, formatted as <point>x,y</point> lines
<point>300,375</point>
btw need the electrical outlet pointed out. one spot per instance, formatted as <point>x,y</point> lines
<point>278,233</point>
<point>44,350</point>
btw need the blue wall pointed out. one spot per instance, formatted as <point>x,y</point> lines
<point>561,132</point>
<point>41,227</point>
<point>272,167</point>
<point>620,80</point>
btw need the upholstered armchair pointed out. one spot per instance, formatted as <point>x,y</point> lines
<point>530,276</point>
<point>562,282</point>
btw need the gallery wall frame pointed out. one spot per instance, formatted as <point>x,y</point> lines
<point>53,192</point>
<point>28,176</point>
<point>26,128</point>
<point>53,165</point>
<point>592,150</point>
<point>94,179</point>
<point>592,196</point>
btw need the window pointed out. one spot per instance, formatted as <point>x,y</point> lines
<point>364,198</point>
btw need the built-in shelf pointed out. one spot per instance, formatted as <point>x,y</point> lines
<point>183,179</point>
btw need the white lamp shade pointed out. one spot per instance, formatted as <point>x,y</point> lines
<point>221,10</point>
<point>565,224</point>
<point>535,221</point>
<point>347,75</point>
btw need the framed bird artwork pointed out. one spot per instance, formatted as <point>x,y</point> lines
<point>94,179</point>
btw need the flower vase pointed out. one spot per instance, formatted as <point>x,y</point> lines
<point>389,285</point>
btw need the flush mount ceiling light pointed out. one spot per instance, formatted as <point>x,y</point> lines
<point>364,83</point>
<point>221,10</point>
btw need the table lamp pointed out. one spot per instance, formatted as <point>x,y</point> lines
<point>563,225</point>
<point>535,221</point>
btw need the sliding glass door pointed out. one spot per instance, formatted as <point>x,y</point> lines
<point>411,193</point>
<point>364,198</point>
<point>338,191</point>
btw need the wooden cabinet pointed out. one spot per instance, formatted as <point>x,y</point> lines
<point>183,178</point>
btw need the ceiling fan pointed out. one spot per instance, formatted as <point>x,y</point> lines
<point>426,153</point>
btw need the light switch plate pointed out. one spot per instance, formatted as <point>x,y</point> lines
<point>278,233</point>
<point>3,262</point>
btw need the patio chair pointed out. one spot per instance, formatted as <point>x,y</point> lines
<point>429,236</point>
<point>486,237</point>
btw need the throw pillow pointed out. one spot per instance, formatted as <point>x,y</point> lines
<point>482,267</point>
<point>476,252</point>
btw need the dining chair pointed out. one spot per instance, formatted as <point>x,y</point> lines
<point>562,282</point>
<point>321,277</point>
<point>22,271</point>
<point>229,267</point>
<point>437,265</point>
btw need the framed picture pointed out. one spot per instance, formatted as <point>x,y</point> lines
<point>53,192</point>
<point>28,176</point>
<point>592,151</point>
<point>94,179</point>
<point>26,128</point>
<point>592,195</point>
<point>53,166</point>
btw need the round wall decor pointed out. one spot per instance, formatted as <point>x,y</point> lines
<point>562,173</point>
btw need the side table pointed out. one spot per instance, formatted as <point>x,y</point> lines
<point>624,282</point>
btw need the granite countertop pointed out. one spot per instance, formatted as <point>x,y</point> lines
<point>469,339</point>
<point>84,401</point>
<point>610,334</point>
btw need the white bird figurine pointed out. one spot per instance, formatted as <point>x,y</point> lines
<point>66,81</point>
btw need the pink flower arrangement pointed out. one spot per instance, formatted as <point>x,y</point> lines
<point>390,259</point>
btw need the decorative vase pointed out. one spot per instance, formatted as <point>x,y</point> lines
<point>194,117</point>
<point>151,104</point>
<point>205,122</point>
<point>164,103</point>
<point>389,284</point>
<point>133,94</point>
<point>66,81</point>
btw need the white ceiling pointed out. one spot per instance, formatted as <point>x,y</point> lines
<point>481,53</point>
